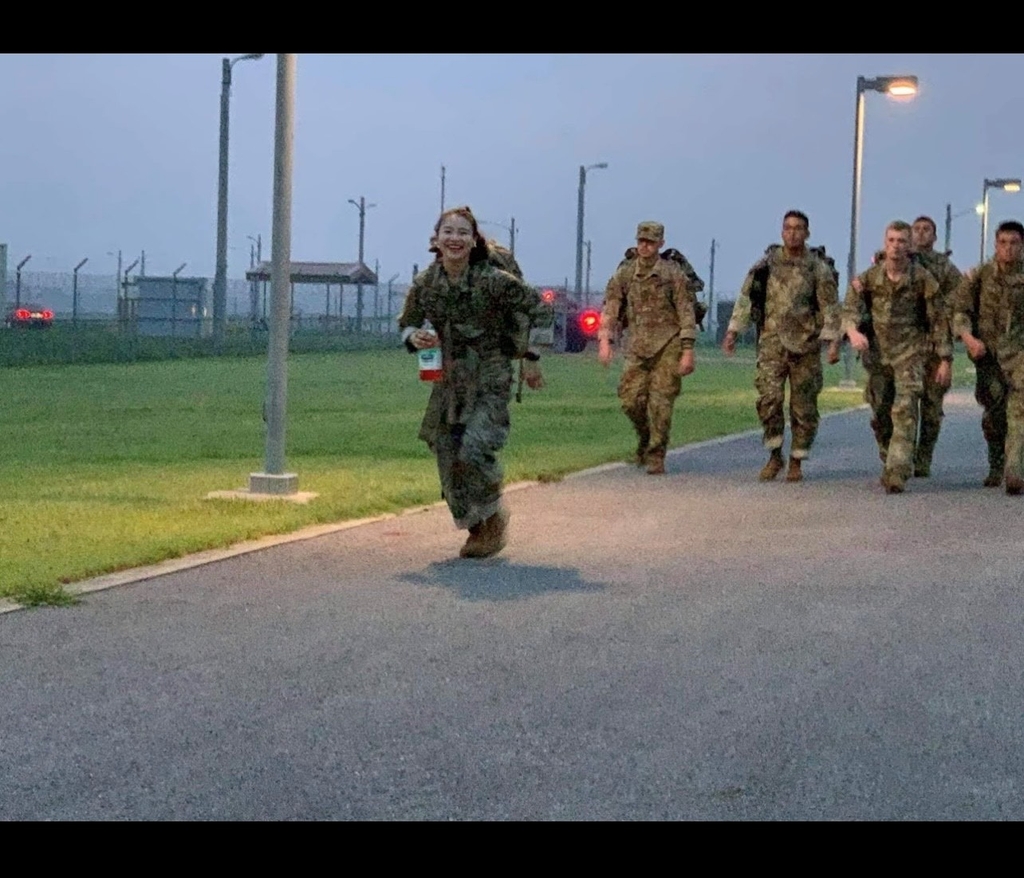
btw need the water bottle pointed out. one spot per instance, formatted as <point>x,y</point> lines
<point>430,360</point>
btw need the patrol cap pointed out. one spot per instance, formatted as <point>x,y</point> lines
<point>650,231</point>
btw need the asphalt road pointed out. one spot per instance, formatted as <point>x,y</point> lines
<point>693,646</point>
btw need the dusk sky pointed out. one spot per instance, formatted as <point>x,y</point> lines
<point>108,152</point>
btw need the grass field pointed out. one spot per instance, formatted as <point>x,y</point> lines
<point>107,467</point>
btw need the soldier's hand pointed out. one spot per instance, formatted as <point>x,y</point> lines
<point>975,346</point>
<point>423,339</point>
<point>944,374</point>
<point>729,343</point>
<point>857,285</point>
<point>604,351</point>
<point>532,375</point>
<point>833,352</point>
<point>686,365</point>
<point>858,340</point>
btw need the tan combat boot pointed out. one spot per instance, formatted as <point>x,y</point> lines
<point>794,473</point>
<point>774,466</point>
<point>490,539</point>
<point>893,484</point>
<point>656,463</point>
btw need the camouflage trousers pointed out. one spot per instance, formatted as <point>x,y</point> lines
<point>930,414</point>
<point>894,394</point>
<point>999,390</point>
<point>647,391</point>
<point>467,454</point>
<point>776,365</point>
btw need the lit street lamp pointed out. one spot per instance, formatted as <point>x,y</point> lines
<point>579,226</point>
<point>220,280</point>
<point>896,86</point>
<point>1007,185</point>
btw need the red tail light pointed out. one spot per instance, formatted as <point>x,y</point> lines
<point>47,314</point>
<point>590,321</point>
<point>21,314</point>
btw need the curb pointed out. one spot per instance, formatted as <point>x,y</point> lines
<point>210,556</point>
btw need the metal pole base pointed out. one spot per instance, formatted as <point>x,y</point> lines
<point>267,483</point>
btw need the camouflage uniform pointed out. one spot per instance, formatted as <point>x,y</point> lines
<point>659,313</point>
<point>801,311</point>
<point>931,411</point>
<point>990,305</point>
<point>483,321</point>
<point>907,326</point>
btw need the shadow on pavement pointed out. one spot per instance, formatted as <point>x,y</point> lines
<point>495,579</point>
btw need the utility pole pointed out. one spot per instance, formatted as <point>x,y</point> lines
<point>512,237</point>
<point>442,188</point>
<point>361,206</point>
<point>949,225</point>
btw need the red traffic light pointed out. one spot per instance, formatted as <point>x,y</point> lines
<point>548,296</point>
<point>590,321</point>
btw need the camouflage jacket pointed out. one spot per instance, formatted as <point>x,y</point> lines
<point>801,301</point>
<point>903,319</point>
<point>483,320</point>
<point>659,306</point>
<point>693,280</point>
<point>990,305</point>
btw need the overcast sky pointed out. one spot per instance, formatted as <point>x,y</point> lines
<point>108,152</point>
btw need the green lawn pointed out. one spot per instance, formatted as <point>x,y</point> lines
<point>107,467</point>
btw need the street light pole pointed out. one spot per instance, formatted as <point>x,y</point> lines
<point>586,294</point>
<point>442,188</point>
<point>1007,185</point>
<point>74,292</point>
<point>17,280</point>
<point>711,286</point>
<point>898,86</point>
<point>221,272</point>
<point>579,225</point>
<point>362,207</point>
<point>274,480</point>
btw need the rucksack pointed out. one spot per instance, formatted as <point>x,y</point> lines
<point>501,257</point>
<point>693,281</point>
<point>759,284</point>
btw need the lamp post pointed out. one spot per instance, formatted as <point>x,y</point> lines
<point>74,292</point>
<point>274,480</point>
<point>220,280</point>
<point>586,287</point>
<point>579,225</point>
<point>711,287</point>
<point>362,207</point>
<point>442,188</point>
<point>896,86</point>
<point>979,209</point>
<point>391,280</point>
<point>1007,185</point>
<point>511,229</point>
<point>17,280</point>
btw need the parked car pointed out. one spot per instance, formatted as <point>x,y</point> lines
<point>573,326</point>
<point>29,316</point>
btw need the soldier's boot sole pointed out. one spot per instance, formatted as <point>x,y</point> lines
<point>1014,485</point>
<point>994,479</point>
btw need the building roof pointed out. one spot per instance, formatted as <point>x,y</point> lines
<point>318,273</point>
